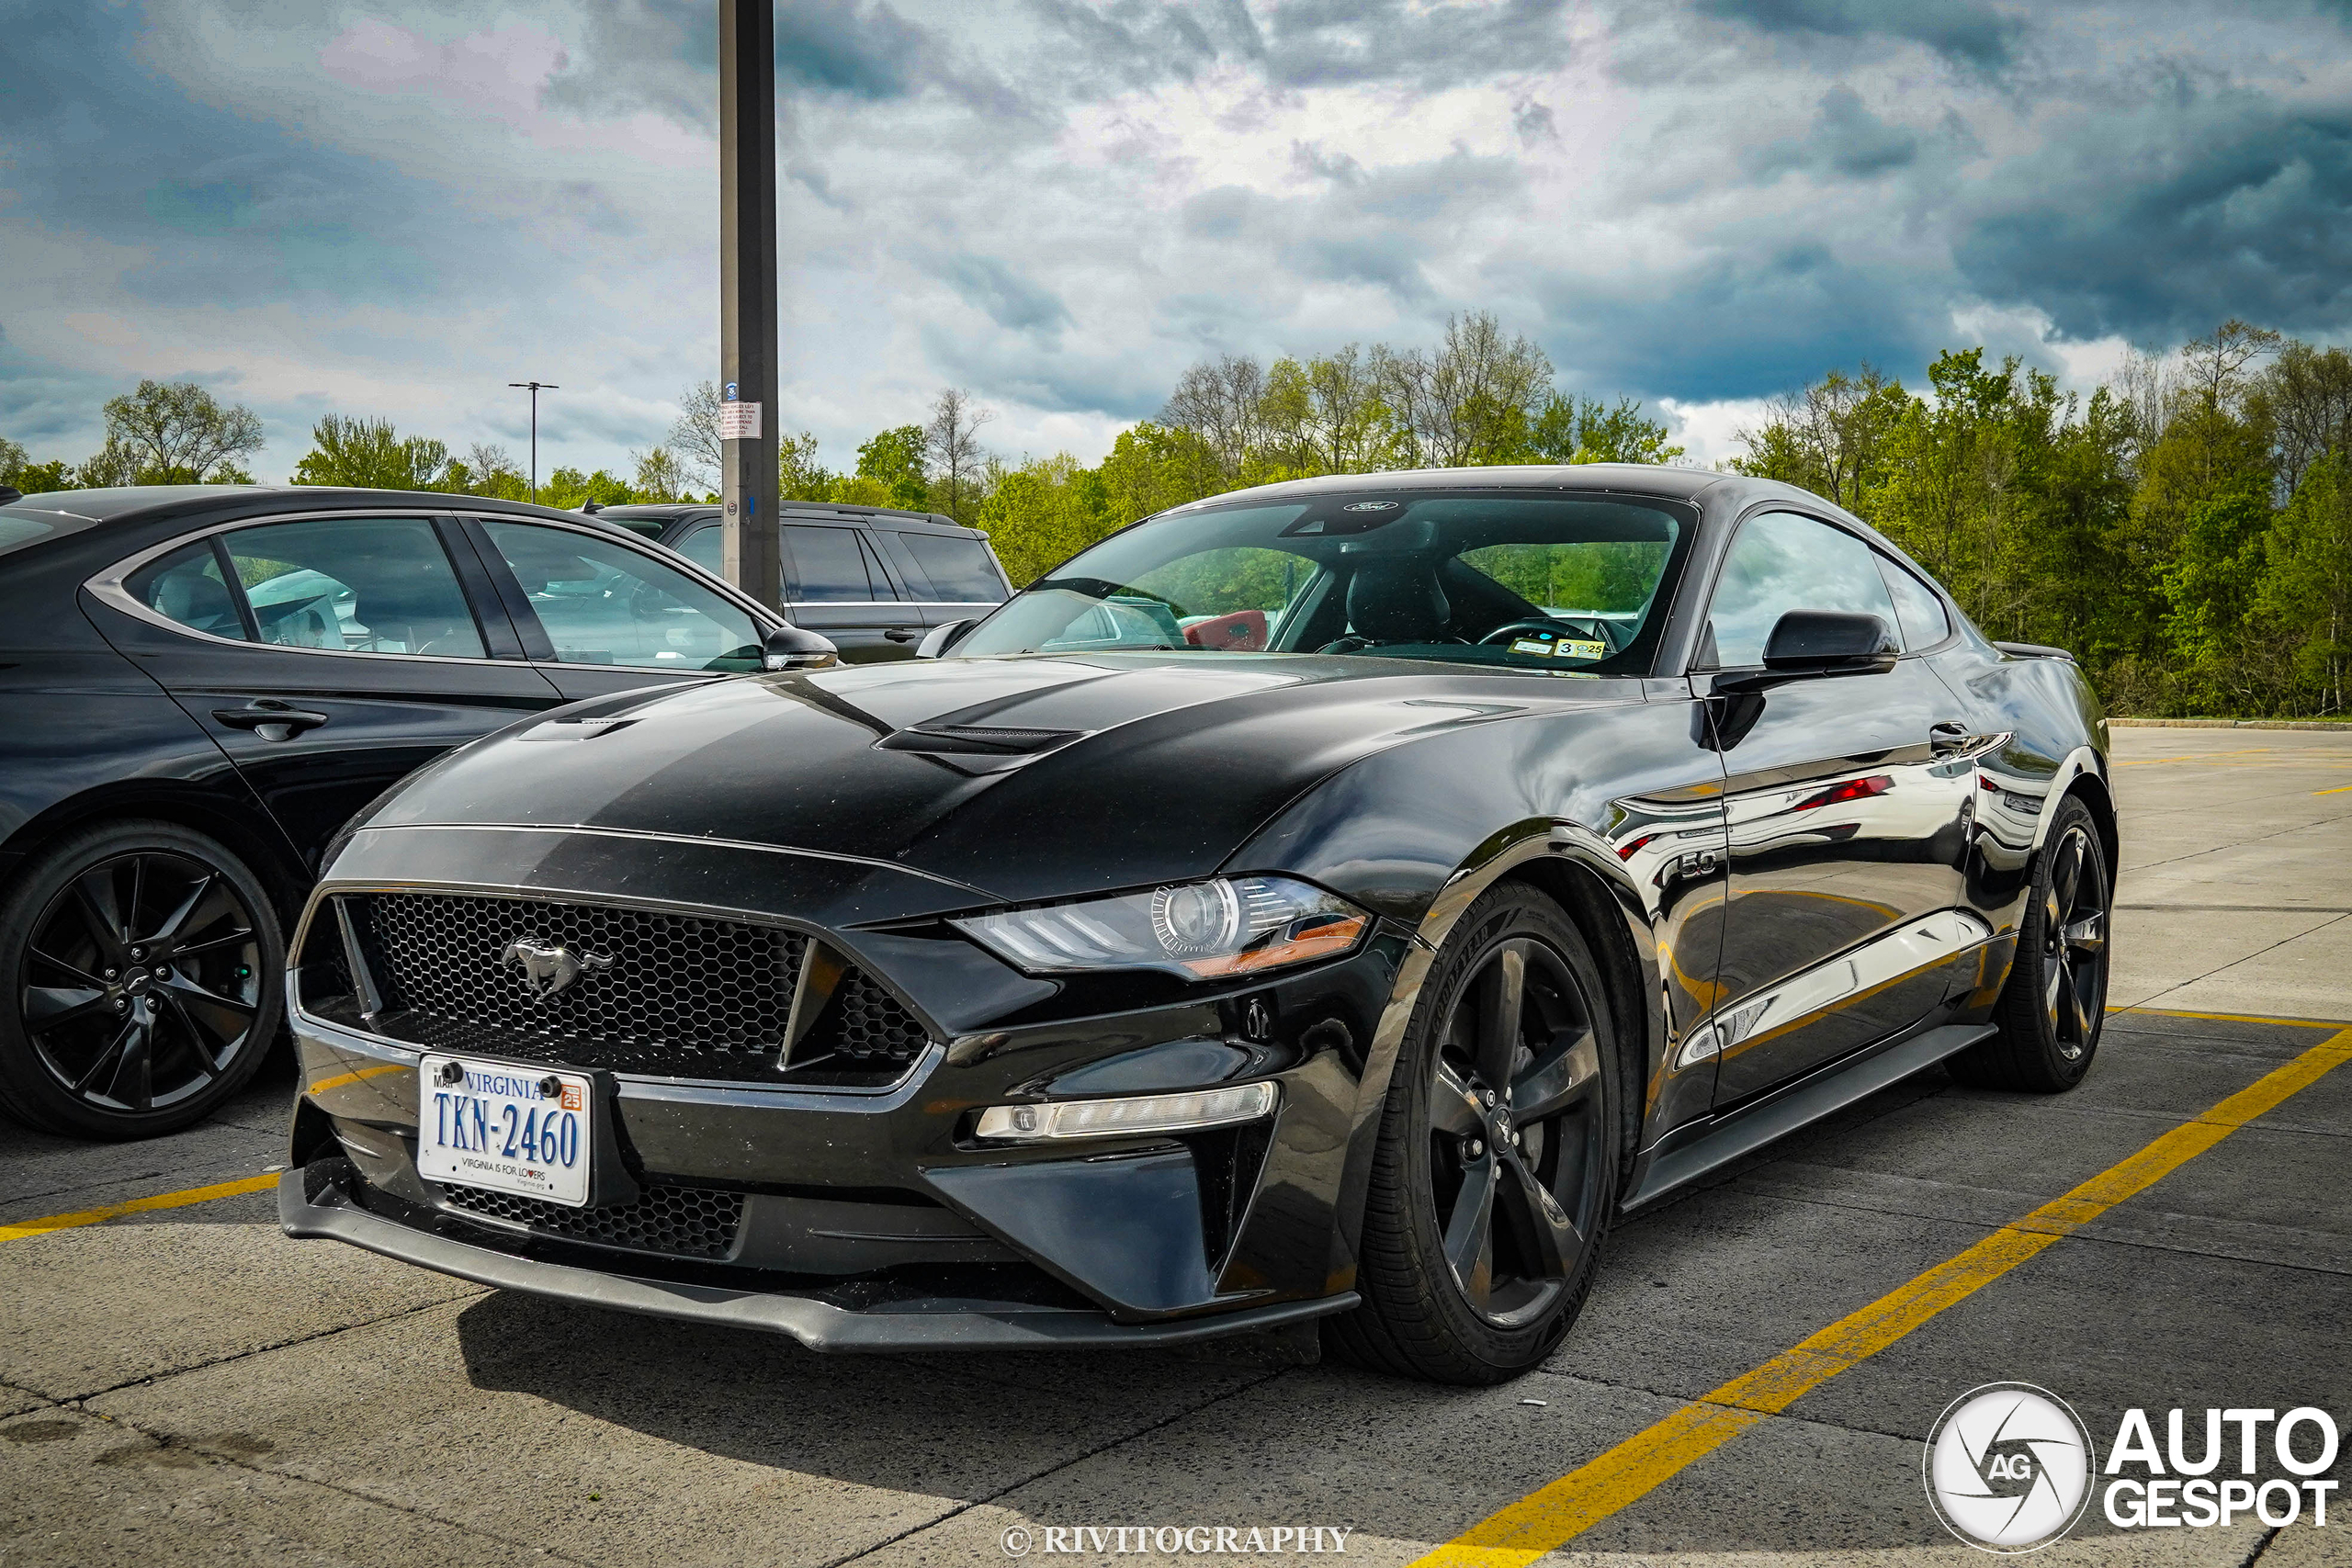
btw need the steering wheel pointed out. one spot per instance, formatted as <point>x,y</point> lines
<point>1594,629</point>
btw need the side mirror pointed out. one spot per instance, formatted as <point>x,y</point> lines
<point>1809,643</point>
<point>791,648</point>
<point>1830,642</point>
<point>936,641</point>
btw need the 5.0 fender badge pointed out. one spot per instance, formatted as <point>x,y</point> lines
<point>549,968</point>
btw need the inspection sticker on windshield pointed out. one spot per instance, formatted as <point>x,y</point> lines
<point>511,1129</point>
<point>1565,648</point>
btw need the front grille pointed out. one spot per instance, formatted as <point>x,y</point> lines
<point>682,1222</point>
<point>679,996</point>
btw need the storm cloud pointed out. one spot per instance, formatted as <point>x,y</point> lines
<point>397,207</point>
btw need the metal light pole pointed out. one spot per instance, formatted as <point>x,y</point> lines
<point>537,387</point>
<point>752,554</point>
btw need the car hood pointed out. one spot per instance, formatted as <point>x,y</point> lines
<point>1020,778</point>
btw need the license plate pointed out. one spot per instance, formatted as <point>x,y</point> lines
<point>510,1129</point>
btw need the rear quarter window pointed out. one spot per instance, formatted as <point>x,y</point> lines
<point>959,569</point>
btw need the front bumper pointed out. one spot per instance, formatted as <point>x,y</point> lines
<point>861,1217</point>
<point>914,1324</point>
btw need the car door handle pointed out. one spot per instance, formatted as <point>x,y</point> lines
<point>270,719</point>
<point>900,634</point>
<point>1949,737</point>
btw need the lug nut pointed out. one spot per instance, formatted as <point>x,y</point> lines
<point>1475,1148</point>
<point>162,970</point>
<point>122,1004</point>
<point>1488,1095</point>
<point>138,953</point>
<point>110,974</point>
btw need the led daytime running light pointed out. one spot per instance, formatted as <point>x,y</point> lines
<point>1197,930</point>
<point>1186,1113</point>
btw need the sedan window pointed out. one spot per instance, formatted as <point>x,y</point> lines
<point>601,603</point>
<point>1781,562</point>
<point>186,587</point>
<point>1924,621</point>
<point>357,585</point>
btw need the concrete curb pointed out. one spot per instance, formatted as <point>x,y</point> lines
<point>2341,726</point>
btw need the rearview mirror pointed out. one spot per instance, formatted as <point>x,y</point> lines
<point>792,648</point>
<point>936,641</point>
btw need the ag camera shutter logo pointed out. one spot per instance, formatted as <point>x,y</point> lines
<point>2008,1467</point>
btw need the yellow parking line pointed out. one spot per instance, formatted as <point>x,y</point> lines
<point>1550,1517</point>
<point>2339,789</point>
<point>24,1228</point>
<point>2239,1017</point>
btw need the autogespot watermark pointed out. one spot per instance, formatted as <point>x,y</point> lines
<point>2010,1468</point>
<point>1175,1540</point>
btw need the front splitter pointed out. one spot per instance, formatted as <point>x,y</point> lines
<point>817,1324</point>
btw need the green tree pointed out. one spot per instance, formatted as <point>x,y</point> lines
<point>2303,602</point>
<point>799,477</point>
<point>1040,514</point>
<point>957,462</point>
<point>893,459</point>
<point>369,454</point>
<point>176,433</point>
<point>487,469</point>
<point>659,476</point>
<point>1584,430</point>
<point>569,490</point>
<point>1152,467</point>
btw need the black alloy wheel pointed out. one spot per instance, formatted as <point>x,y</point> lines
<point>145,964</point>
<point>2051,1009</point>
<point>1498,1166</point>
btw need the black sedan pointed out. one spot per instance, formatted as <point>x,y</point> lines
<point>198,684</point>
<point>1338,900</point>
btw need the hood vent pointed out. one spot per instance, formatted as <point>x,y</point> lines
<point>977,739</point>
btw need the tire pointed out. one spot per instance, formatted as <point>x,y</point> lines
<point>1446,1158</point>
<point>95,1043</point>
<point>2054,1005</point>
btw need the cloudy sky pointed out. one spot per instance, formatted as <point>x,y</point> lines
<point>396,208</point>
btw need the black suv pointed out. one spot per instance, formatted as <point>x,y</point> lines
<point>872,578</point>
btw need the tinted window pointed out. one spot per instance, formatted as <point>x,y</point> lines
<point>704,547</point>
<point>16,531</point>
<point>602,603</point>
<point>1539,582</point>
<point>186,586</point>
<point>1922,614</point>
<point>828,566</point>
<point>958,569</point>
<point>1781,562</point>
<point>368,584</point>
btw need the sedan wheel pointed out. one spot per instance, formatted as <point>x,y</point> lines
<point>146,966</point>
<point>1499,1162</point>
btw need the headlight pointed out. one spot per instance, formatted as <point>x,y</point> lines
<point>1200,930</point>
<point>1185,1113</point>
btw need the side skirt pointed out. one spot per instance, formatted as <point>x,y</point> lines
<point>1690,1152</point>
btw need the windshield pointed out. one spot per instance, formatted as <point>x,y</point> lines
<point>1514,580</point>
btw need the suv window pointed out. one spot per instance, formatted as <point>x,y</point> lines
<point>1922,614</point>
<point>830,566</point>
<point>363,584</point>
<point>706,546</point>
<point>959,569</point>
<point>601,603</point>
<point>1779,562</point>
<point>186,586</point>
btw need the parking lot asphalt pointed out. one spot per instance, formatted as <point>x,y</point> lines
<point>1750,1382</point>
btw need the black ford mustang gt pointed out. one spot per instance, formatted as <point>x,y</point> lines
<point>1338,900</point>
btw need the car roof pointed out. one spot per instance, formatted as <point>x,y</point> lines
<point>1644,478</point>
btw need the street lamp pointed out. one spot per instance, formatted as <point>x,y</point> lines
<point>537,387</point>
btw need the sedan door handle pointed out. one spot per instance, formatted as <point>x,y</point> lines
<point>270,719</point>
<point>1949,737</point>
<point>899,633</point>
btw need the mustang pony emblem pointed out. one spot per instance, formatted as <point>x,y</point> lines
<point>551,967</point>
